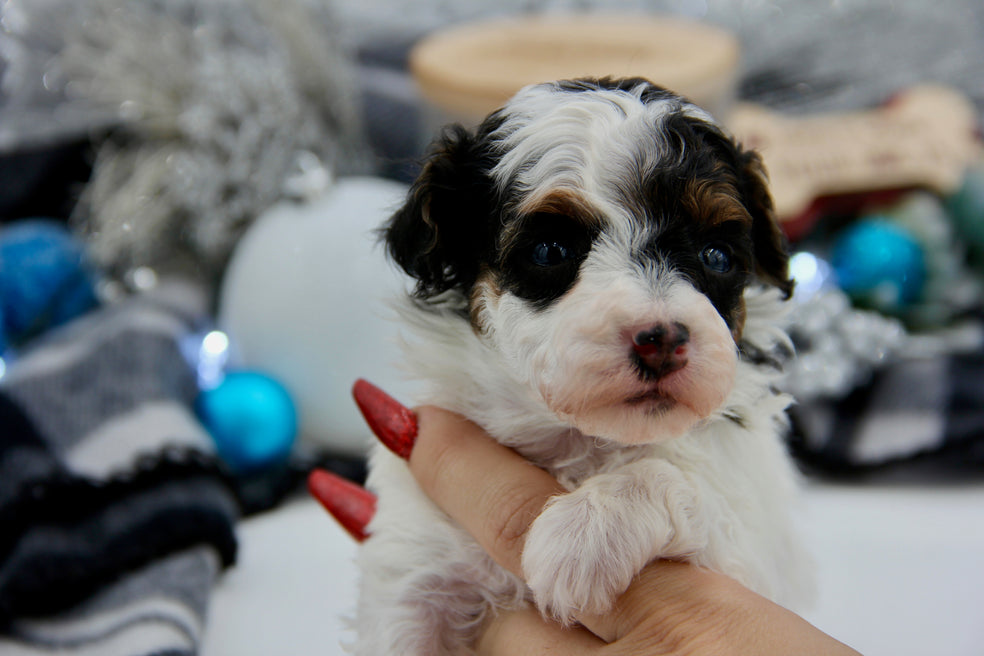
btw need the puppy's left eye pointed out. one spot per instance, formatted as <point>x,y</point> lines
<point>551,253</point>
<point>716,258</point>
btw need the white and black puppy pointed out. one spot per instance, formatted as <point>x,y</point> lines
<point>598,278</point>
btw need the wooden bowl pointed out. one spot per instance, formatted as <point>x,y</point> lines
<point>469,70</point>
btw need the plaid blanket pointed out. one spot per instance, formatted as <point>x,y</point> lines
<point>917,416</point>
<point>116,517</point>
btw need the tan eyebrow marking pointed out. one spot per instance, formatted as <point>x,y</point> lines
<point>559,202</point>
<point>714,202</point>
<point>564,202</point>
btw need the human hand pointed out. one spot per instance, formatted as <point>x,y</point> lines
<point>670,607</point>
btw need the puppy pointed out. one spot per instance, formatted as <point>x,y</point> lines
<point>599,275</point>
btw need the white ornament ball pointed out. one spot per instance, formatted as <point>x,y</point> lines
<point>305,299</point>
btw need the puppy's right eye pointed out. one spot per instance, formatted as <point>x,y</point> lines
<point>716,259</point>
<point>551,254</point>
<point>542,260</point>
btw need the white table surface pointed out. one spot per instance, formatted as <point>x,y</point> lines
<point>901,573</point>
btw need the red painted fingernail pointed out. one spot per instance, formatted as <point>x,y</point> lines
<point>352,505</point>
<point>394,424</point>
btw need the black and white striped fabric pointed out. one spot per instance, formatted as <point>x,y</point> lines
<point>917,416</point>
<point>116,519</point>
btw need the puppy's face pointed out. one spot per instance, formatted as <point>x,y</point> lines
<point>603,233</point>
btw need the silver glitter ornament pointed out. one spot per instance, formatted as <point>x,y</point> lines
<point>206,106</point>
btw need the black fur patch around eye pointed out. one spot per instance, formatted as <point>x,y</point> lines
<point>696,204</point>
<point>679,244</point>
<point>523,273</point>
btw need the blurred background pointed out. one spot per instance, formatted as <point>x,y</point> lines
<point>190,284</point>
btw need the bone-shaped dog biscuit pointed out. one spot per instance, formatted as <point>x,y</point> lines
<point>925,137</point>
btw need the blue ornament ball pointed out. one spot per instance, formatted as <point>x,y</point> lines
<point>880,264</point>
<point>45,280</point>
<point>251,418</point>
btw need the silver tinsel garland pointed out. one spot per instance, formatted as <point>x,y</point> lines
<point>208,107</point>
<point>838,348</point>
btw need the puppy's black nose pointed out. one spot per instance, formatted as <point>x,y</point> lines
<point>662,349</point>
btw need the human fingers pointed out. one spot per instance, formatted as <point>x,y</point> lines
<point>678,608</point>
<point>495,494</point>
<point>669,608</point>
<point>489,490</point>
<point>526,633</point>
<point>349,503</point>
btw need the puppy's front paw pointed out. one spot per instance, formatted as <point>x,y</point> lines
<point>586,546</point>
<point>573,561</point>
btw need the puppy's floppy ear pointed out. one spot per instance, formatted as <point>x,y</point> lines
<point>440,235</point>
<point>769,242</point>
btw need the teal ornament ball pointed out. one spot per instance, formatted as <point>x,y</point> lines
<point>44,278</point>
<point>251,418</point>
<point>879,264</point>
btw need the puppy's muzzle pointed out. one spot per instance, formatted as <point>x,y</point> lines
<point>661,349</point>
